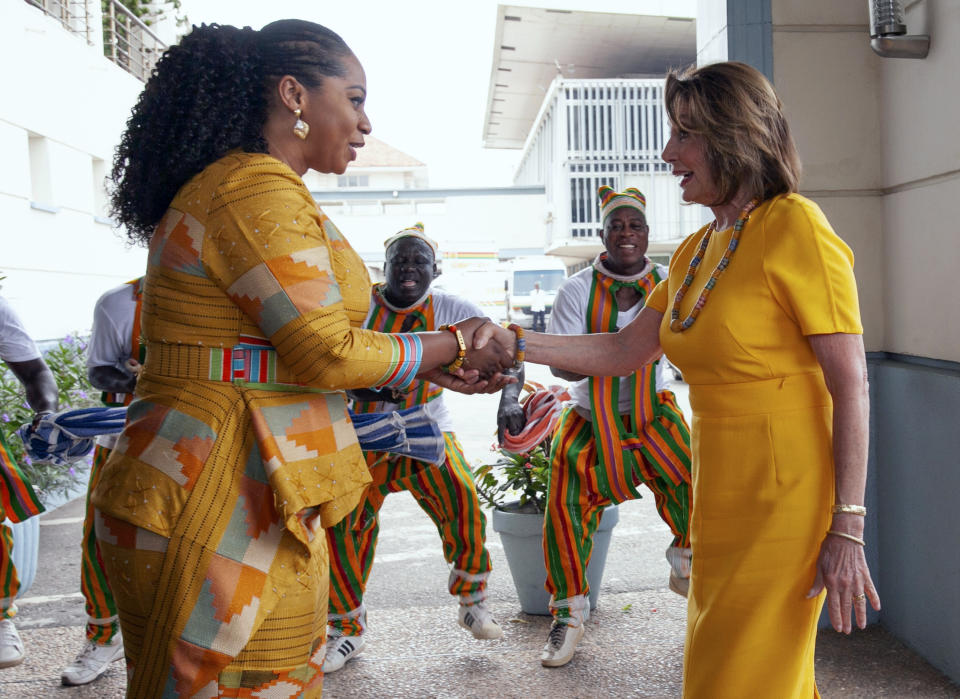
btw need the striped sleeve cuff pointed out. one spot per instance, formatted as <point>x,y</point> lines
<point>407,355</point>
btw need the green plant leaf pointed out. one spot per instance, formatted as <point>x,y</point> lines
<point>525,477</point>
<point>67,361</point>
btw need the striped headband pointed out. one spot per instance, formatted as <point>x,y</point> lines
<point>610,200</point>
<point>415,231</point>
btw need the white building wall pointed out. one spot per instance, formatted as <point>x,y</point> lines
<point>475,222</point>
<point>877,137</point>
<point>376,178</point>
<point>59,123</point>
<point>921,181</point>
<point>711,31</point>
<point>919,442</point>
<point>829,81</point>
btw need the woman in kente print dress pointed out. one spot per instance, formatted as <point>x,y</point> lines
<point>238,450</point>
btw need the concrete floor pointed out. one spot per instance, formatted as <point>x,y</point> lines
<point>633,646</point>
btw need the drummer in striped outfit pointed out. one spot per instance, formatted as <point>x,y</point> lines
<point>114,355</point>
<point>406,303</point>
<point>617,433</point>
<point>18,501</point>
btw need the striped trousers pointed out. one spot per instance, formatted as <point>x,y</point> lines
<point>449,497</point>
<point>18,502</point>
<point>579,492</point>
<point>101,608</point>
<point>9,581</point>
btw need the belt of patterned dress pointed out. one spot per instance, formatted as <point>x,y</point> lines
<point>252,363</point>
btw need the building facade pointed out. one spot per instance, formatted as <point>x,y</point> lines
<point>61,117</point>
<point>386,190</point>
<point>581,94</point>
<point>602,132</point>
<point>379,166</point>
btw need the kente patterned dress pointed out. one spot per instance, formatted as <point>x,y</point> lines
<point>763,475</point>
<point>617,434</point>
<point>238,450</point>
<point>447,492</point>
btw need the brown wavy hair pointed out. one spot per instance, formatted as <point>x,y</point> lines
<point>738,114</point>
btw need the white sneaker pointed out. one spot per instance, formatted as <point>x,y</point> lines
<point>561,644</point>
<point>340,650</point>
<point>11,647</point>
<point>478,620</point>
<point>92,662</point>
<point>680,561</point>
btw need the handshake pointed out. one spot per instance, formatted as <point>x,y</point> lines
<point>490,362</point>
<point>491,350</point>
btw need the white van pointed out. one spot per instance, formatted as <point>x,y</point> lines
<point>522,274</point>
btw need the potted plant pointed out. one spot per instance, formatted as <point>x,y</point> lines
<point>515,486</point>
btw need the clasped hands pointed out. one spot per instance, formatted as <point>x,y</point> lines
<point>490,352</point>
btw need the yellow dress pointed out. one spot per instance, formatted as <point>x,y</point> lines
<point>763,474</point>
<point>238,450</point>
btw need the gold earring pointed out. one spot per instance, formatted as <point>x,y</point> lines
<point>300,128</point>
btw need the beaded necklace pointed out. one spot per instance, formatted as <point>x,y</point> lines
<point>677,325</point>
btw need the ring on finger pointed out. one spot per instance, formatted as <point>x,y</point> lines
<point>860,598</point>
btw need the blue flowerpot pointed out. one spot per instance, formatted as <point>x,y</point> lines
<point>522,537</point>
<point>26,547</point>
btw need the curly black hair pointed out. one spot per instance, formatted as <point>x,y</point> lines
<point>209,95</point>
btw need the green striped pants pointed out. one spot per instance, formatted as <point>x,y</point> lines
<point>579,492</point>
<point>449,497</point>
<point>102,620</point>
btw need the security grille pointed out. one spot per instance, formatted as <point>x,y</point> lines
<point>595,132</point>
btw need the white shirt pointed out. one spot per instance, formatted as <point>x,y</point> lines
<point>111,340</point>
<point>569,317</point>
<point>538,300</point>
<point>447,309</point>
<point>15,344</point>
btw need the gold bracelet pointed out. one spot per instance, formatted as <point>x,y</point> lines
<point>851,537</point>
<point>840,509</point>
<point>461,349</point>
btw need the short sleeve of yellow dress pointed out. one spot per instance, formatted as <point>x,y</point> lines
<point>762,443</point>
<point>657,300</point>
<point>238,449</point>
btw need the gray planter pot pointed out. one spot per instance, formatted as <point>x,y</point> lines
<point>26,546</point>
<point>522,537</point>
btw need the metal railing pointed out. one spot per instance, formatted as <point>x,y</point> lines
<point>129,43</point>
<point>74,15</point>
<point>127,40</point>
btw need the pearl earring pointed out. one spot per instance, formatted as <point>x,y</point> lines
<point>300,128</point>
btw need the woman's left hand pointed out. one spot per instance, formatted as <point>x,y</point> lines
<point>842,569</point>
<point>466,381</point>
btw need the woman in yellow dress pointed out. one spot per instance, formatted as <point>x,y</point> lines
<point>238,450</point>
<point>760,314</point>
